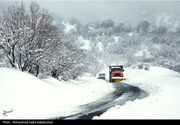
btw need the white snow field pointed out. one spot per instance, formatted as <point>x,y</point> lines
<point>163,102</point>
<point>31,98</point>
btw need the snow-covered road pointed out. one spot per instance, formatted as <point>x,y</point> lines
<point>163,102</point>
<point>125,92</point>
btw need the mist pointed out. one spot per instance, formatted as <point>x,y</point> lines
<point>98,10</point>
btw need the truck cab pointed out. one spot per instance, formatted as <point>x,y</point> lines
<point>116,73</point>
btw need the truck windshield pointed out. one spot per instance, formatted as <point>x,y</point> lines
<point>117,69</point>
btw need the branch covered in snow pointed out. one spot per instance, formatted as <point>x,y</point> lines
<point>32,41</point>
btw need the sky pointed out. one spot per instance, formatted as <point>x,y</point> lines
<point>130,11</point>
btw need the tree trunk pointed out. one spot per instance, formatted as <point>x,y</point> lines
<point>13,54</point>
<point>12,64</point>
<point>37,70</point>
<point>54,73</point>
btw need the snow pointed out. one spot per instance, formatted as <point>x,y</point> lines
<point>33,98</point>
<point>130,34</point>
<point>86,44</point>
<point>157,47</point>
<point>91,28</point>
<point>140,53</point>
<point>163,102</point>
<point>167,20</point>
<point>100,46</point>
<point>143,52</point>
<point>69,27</point>
<point>116,39</point>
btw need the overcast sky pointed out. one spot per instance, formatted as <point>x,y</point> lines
<point>118,10</point>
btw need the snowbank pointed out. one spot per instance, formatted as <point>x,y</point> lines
<point>162,84</point>
<point>32,98</point>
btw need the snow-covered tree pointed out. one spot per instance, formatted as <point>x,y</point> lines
<point>32,41</point>
<point>27,35</point>
<point>143,27</point>
<point>144,42</point>
<point>107,23</point>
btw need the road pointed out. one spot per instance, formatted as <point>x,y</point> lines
<point>124,92</point>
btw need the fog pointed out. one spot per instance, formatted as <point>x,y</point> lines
<point>120,11</point>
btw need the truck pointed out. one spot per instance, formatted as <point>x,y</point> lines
<point>116,73</point>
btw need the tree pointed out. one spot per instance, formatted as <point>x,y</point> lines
<point>122,28</point>
<point>161,30</point>
<point>26,36</point>
<point>107,23</point>
<point>63,62</point>
<point>32,41</point>
<point>143,26</point>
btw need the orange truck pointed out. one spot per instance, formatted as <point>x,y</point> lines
<point>116,73</point>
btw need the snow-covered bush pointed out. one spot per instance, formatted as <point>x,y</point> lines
<point>140,66</point>
<point>144,66</point>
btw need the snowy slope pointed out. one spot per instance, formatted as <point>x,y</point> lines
<point>162,84</point>
<point>32,98</point>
